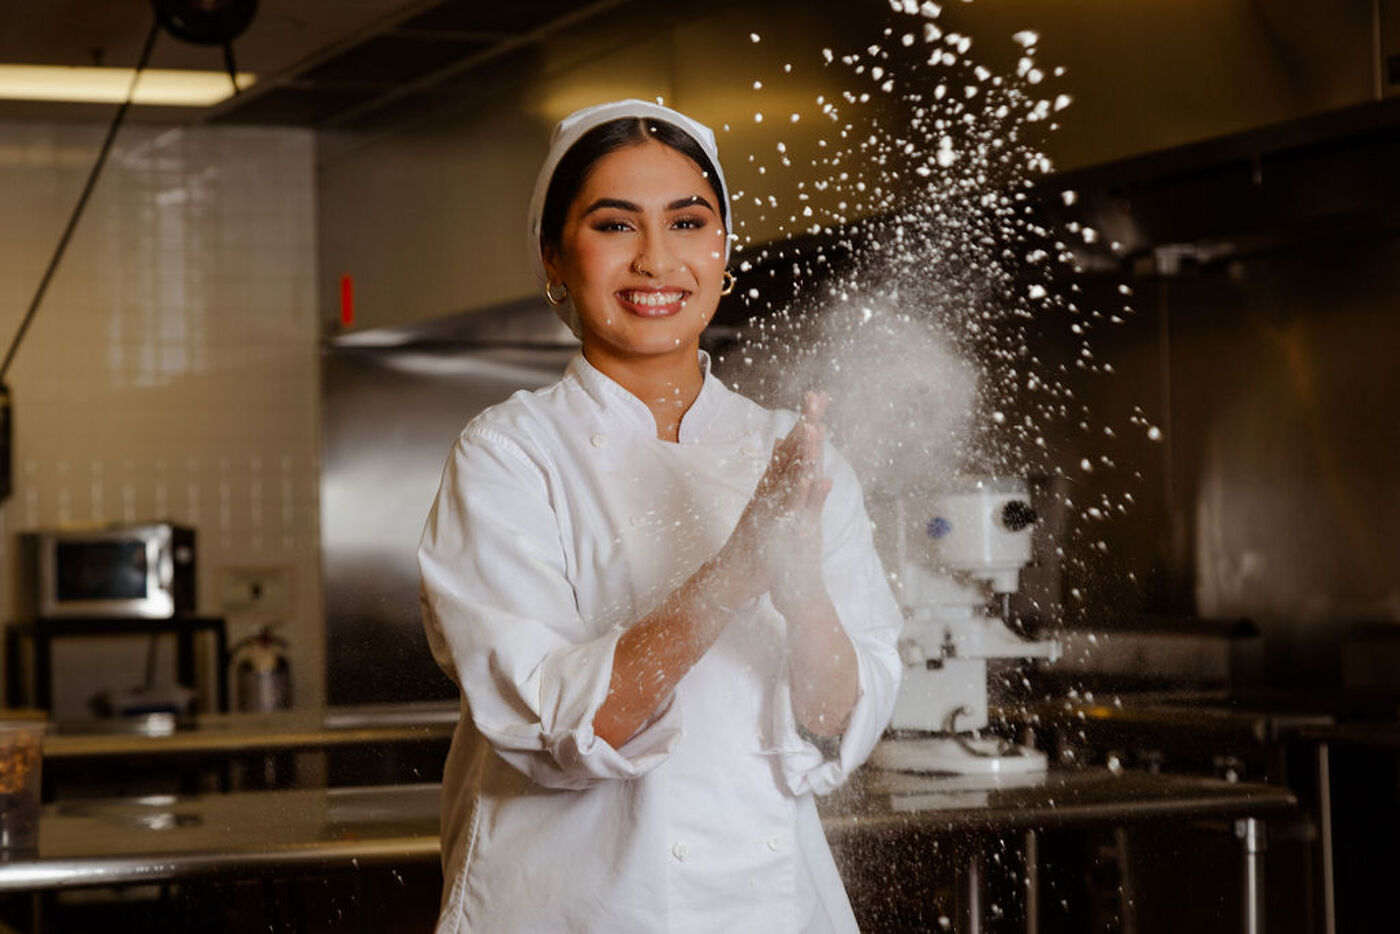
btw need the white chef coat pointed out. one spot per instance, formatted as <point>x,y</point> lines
<point>561,520</point>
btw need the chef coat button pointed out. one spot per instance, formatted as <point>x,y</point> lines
<point>679,851</point>
<point>774,842</point>
<point>599,440</point>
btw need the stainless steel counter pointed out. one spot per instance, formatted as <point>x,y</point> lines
<point>163,735</point>
<point>876,802</point>
<point>139,840</point>
<point>167,837</point>
<point>895,822</point>
<point>1197,715</point>
<point>1378,735</point>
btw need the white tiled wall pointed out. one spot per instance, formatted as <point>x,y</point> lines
<point>172,371</point>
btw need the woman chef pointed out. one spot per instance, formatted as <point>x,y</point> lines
<point>660,600</point>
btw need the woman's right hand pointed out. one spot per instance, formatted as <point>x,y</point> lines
<point>776,545</point>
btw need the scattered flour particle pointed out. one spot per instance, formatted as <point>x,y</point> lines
<point>1026,38</point>
<point>1154,433</point>
<point>1036,291</point>
<point>754,37</point>
<point>753,293</point>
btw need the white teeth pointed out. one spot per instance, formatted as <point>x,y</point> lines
<point>652,298</point>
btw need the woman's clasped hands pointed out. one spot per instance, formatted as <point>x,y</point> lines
<point>778,539</point>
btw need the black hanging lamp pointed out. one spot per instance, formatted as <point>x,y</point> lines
<point>207,22</point>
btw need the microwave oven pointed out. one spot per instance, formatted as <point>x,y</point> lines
<point>144,571</point>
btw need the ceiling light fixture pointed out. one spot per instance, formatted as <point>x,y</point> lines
<point>160,87</point>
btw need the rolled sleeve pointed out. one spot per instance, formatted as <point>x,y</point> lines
<point>870,615</point>
<point>502,621</point>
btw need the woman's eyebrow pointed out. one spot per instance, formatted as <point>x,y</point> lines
<point>621,205</point>
<point>616,203</point>
<point>689,202</point>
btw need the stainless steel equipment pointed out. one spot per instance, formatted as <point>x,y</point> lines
<point>394,402</point>
<point>958,551</point>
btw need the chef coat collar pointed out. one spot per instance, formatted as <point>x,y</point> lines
<point>616,401</point>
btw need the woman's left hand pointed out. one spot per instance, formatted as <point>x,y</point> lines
<point>825,672</point>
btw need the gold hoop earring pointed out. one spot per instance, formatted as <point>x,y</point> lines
<point>729,282</point>
<point>556,300</point>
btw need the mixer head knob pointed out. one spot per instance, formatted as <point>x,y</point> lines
<point>1017,515</point>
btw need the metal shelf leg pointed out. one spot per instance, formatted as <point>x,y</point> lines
<point>1250,832</point>
<point>1324,812</point>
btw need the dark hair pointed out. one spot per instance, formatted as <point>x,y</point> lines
<point>604,139</point>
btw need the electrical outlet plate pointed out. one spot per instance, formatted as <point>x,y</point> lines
<point>262,592</point>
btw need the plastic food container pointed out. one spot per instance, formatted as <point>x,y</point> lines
<point>21,763</point>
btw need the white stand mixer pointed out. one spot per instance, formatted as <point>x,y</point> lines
<point>956,551</point>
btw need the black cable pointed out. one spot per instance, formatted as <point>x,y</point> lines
<point>82,200</point>
<point>230,67</point>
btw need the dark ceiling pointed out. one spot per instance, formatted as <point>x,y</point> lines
<point>407,59</point>
<point>320,64</point>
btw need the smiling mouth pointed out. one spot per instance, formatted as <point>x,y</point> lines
<point>653,303</point>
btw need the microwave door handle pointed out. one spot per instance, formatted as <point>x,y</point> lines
<point>166,567</point>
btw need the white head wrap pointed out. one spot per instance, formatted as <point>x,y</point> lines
<point>567,133</point>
